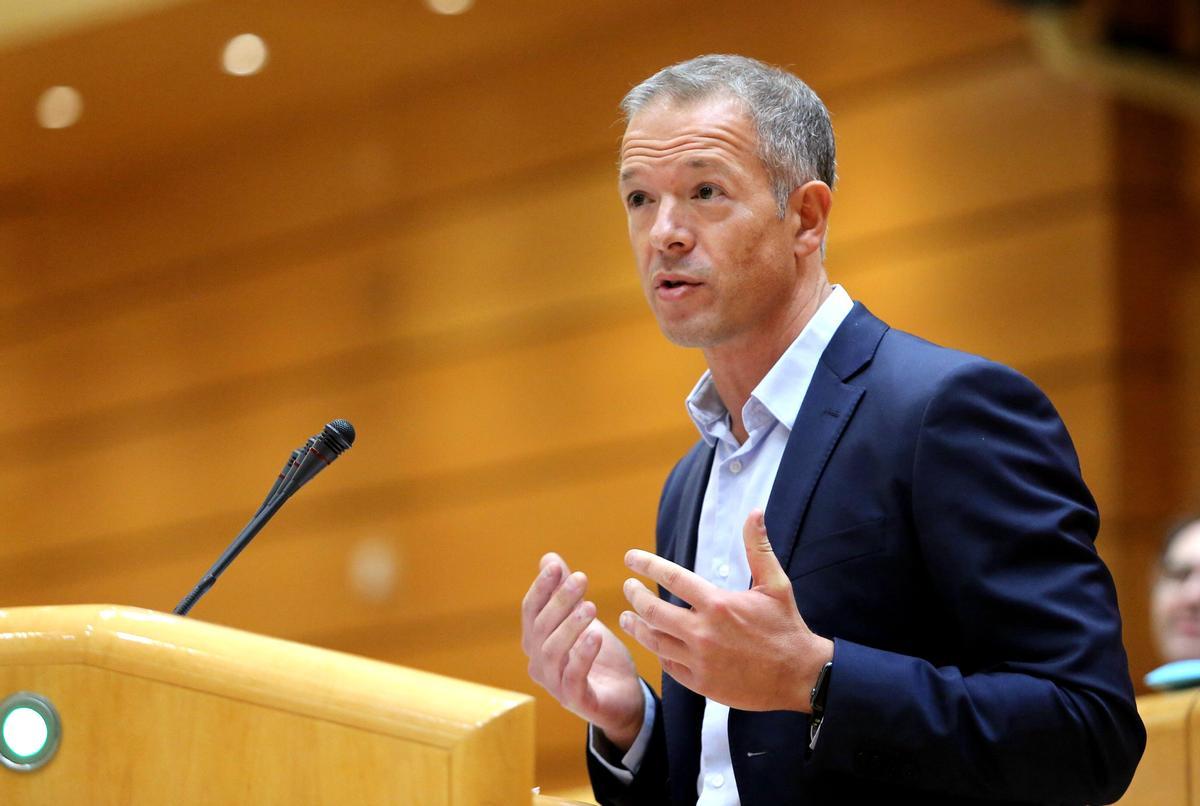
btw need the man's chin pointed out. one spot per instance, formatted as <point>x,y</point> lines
<point>687,338</point>
<point>687,332</point>
<point>1183,648</point>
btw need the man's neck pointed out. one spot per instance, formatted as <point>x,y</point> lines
<point>739,367</point>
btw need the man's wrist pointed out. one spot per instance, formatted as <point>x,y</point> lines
<point>628,761</point>
<point>621,737</point>
<point>605,747</point>
<point>815,660</point>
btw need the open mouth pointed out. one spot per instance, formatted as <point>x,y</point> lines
<point>667,283</point>
<point>674,290</point>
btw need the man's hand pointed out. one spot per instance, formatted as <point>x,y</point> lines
<point>576,658</point>
<point>747,649</point>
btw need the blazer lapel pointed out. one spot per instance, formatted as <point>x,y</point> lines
<point>828,406</point>
<point>686,528</point>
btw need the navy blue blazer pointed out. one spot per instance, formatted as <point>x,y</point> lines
<point>930,512</point>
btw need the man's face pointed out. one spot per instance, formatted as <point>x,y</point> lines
<point>1175,604</point>
<point>717,263</point>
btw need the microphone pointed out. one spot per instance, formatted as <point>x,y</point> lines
<point>304,463</point>
<point>334,440</point>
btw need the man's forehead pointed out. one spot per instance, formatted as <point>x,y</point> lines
<point>1186,545</point>
<point>667,112</point>
<point>630,171</point>
<point>666,128</point>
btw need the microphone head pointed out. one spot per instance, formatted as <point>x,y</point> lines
<point>339,435</point>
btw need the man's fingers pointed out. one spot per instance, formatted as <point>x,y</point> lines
<point>561,603</point>
<point>682,674</point>
<point>661,615</point>
<point>765,570</point>
<point>544,584</point>
<point>543,587</point>
<point>664,645</point>
<point>678,580</point>
<point>550,558</point>
<point>557,646</point>
<point>574,687</point>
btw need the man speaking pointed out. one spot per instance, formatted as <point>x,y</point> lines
<point>876,566</point>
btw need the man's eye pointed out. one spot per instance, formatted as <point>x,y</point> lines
<point>706,192</point>
<point>1176,573</point>
<point>636,199</point>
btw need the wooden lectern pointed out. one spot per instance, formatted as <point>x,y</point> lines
<point>1169,774</point>
<point>158,709</point>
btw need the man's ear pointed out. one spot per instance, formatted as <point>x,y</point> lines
<point>808,207</point>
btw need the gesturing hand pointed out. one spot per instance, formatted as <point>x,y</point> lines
<point>747,649</point>
<point>576,658</point>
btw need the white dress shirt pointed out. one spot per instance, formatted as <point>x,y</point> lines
<point>740,480</point>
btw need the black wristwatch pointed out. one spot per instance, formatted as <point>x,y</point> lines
<point>816,701</point>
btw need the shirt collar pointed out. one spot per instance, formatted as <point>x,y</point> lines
<point>780,393</point>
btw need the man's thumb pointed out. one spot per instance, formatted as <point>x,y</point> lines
<point>765,569</point>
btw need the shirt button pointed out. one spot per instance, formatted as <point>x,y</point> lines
<point>735,467</point>
<point>723,570</point>
<point>716,780</point>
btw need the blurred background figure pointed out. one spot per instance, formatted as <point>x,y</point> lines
<point>1175,600</point>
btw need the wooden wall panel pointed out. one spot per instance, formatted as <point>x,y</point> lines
<point>1190,393</point>
<point>457,129</point>
<point>473,265</point>
<point>473,409</point>
<point>1033,297</point>
<point>463,550</point>
<point>1001,137</point>
<point>1188,246</point>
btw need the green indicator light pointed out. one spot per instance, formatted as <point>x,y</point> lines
<point>30,732</point>
<point>25,732</point>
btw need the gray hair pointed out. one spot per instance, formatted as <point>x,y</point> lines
<point>795,137</point>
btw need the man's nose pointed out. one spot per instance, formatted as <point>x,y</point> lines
<point>671,232</point>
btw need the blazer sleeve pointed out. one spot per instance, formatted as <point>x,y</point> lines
<point>649,786</point>
<point>1038,704</point>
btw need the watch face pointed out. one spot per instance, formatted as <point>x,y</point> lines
<point>817,699</point>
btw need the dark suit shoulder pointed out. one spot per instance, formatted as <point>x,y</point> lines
<point>919,370</point>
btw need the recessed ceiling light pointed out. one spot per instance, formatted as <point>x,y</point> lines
<point>59,107</point>
<point>449,6</point>
<point>244,55</point>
